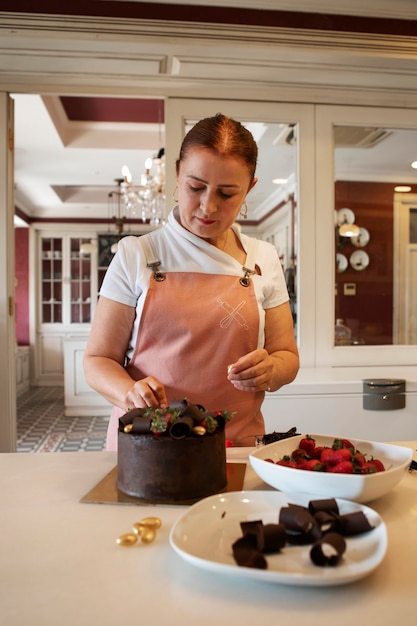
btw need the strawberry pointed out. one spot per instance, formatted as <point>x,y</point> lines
<point>298,455</point>
<point>367,468</point>
<point>325,455</point>
<point>358,458</point>
<point>337,456</point>
<point>316,452</point>
<point>286,461</point>
<point>307,444</point>
<point>312,465</point>
<point>339,443</point>
<point>379,466</point>
<point>344,467</point>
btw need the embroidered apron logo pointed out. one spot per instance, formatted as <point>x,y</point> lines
<point>232,314</point>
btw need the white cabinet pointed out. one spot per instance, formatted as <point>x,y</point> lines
<point>66,295</point>
<point>330,401</point>
<point>22,370</point>
<point>80,399</point>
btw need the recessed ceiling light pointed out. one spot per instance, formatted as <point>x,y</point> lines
<point>414,165</point>
<point>402,188</point>
<point>280,181</point>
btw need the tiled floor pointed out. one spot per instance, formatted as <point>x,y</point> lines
<point>43,427</point>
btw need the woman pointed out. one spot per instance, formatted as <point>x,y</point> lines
<point>196,309</point>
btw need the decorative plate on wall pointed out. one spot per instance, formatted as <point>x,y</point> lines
<point>362,239</point>
<point>345,216</point>
<point>359,260</point>
<point>341,263</point>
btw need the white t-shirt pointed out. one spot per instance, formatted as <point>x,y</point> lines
<point>127,278</point>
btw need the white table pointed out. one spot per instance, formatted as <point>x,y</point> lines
<point>60,564</point>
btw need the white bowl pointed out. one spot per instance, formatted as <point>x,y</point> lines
<point>356,487</point>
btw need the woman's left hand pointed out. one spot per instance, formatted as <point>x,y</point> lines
<point>252,372</point>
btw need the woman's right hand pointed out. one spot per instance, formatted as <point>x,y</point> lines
<point>148,391</point>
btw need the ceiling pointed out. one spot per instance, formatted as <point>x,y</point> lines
<point>69,150</point>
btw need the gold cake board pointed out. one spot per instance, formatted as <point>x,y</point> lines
<point>106,491</point>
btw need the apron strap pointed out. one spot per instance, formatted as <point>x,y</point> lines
<point>153,262</point>
<point>250,264</point>
<point>152,259</point>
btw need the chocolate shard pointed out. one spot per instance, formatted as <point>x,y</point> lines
<point>328,550</point>
<point>327,504</point>
<point>355,523</point>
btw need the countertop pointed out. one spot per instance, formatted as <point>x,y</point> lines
<point>60,564</point>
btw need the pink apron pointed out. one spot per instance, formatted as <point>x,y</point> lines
<point>192,327</point>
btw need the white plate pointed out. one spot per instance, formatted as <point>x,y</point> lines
<point>205,532</point>
<point>341,263</point>
<point>362,239</point>
<point>359,260</point>
<point>345,216</point>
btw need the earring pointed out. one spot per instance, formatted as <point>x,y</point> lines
<point>173,194</point>
<point>244,211</point>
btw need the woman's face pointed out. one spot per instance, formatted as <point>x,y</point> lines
<point>211,192</point>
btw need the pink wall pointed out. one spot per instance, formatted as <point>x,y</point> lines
<point>22,287</point>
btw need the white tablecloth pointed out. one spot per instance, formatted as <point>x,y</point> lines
<point>60,564</point>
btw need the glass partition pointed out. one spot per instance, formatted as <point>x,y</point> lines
<point>372,166</point>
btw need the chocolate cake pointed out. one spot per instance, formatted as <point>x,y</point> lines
<point>171,455</point>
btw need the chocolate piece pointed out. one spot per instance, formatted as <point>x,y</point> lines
<point>296,517</point>
<point>246,553</point>
<point>355,523</point>
<point>328,550</point>
<point>195,412</point>
<point>301,527</point>
<point>274,538</point>
<point>328,504</point>
<point>181,428</point>
<point>128,418</point>
<point>274,436</point>
<point>328,522</point>
<point>254,528</point>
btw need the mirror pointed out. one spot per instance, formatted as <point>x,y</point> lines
<point>374,251</point>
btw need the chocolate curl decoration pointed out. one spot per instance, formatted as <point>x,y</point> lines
<point>274,537</point>
<point>194,412</point>
<point>328,550</point>
<point>181,428</point>
<point>328,504</point>
<point>328,522</point>
<point>355,523</point>
<point>301,527</point>
<point>127,418</point>
<point>180,405</point>
<point>246,553</point>
<point>221,422</point>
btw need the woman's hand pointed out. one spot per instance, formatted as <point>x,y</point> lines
<point>146,392</point>
<point>269,368</point>
<point>252,372</point>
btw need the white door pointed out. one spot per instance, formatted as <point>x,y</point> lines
<point>7,276</point>
<point>405,269</point>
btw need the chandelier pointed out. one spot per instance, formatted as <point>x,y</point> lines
<point>145,200</point>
